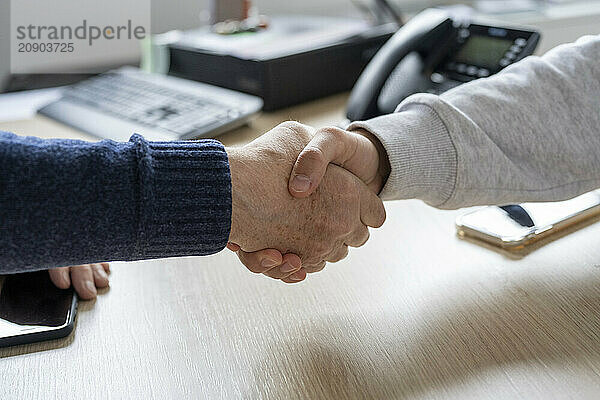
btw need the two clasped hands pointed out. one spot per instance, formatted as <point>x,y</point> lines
<point>301,197</point>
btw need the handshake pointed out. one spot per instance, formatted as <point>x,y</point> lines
<point>300,198</point>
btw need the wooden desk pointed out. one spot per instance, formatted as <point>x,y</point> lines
<point>414,314</point>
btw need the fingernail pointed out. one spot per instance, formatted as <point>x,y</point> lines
<point>287,267</point>
<point>268,263</point>
<point>90,287</point>
<point>300,183</point>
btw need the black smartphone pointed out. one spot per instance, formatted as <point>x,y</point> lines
<point>32,309</point>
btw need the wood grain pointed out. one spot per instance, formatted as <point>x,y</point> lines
<point>414,314</point>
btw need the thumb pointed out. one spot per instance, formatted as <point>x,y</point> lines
<point>329,145</point>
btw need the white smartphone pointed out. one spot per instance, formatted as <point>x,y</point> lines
<point>513,227</point>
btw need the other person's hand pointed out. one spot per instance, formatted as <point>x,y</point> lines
<point>84,278</point>
<point>317,229</point>
<point>358,152</point>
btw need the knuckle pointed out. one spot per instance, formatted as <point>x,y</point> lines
<point>332,133</point>
<point>252,265</point>
<point>344,141</point>
<point>312,260</point>
<point>271,274</point>
<point>365,238</point>
<point>338,256</point>
<point>360,238</point>
<point>382,216</point>
<point>299,130</point>
<point>310,156</point>
<point>344,251</point>
<point>257,269</point>
<point>293,125</point>
<point>316,268</point>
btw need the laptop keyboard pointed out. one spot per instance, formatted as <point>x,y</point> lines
<point>150,104</point>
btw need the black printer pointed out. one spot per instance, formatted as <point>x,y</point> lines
<point>296,59</point>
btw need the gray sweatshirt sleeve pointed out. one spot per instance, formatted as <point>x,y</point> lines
<point>529,133</point>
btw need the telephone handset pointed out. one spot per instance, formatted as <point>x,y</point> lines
<point>433,53</point>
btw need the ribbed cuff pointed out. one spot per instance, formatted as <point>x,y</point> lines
<point>185,198</point>
<point>421,154</point>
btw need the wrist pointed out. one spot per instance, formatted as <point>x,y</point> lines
<point>383,162</point>
<point>257,193</point>
<point>239,202</point>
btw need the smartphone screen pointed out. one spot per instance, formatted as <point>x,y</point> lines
<point>33,309</point>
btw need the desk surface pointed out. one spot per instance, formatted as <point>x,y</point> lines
<point>416,313</point>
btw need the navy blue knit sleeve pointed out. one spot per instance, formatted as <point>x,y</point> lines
<point>69,202</point>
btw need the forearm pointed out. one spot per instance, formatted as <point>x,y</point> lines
<point>65,202</point>
<point>529,133</point>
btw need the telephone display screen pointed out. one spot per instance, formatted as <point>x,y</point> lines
<point>483,51</point>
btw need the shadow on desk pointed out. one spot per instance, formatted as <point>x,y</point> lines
<point>458,341</point>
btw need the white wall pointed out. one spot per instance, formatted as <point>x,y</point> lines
<point>182,14</point>
<point>320,7</point>
<point>172,14</point>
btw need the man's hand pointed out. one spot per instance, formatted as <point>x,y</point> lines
<point>84,278</point>
<point>358,152</point>
<point>318,228</point>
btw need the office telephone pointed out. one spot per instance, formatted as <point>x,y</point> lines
<point>432,53</point>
